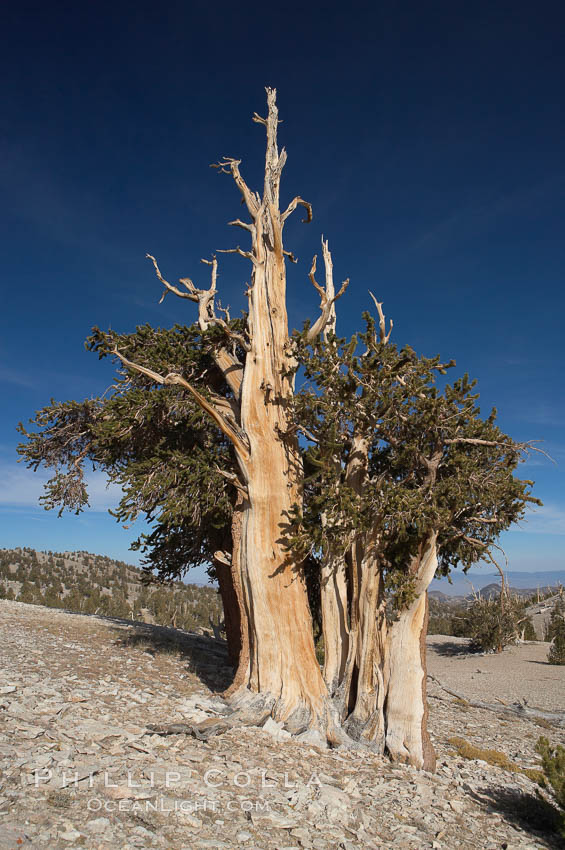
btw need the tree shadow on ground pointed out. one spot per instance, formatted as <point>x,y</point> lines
<point>205,657</point>
<point>528,812</point>
<point>450,649</point>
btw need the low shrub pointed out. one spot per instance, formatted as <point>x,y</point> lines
<point>467,750</point>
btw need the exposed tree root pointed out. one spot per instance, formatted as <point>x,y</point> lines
<point>253,710</point>
<point>201,731</point>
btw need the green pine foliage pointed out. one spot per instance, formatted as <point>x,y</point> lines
<point>494,623</point>
<point>153,441</point>
<point>529,631</point>
<point>553,761</point>
<point>555,620</point>
<point>481,621</point>
<point>434,462</point>
<point>556,654</point>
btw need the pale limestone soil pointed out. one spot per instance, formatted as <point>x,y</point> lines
<point>77,692</point>
<point>517,673</point>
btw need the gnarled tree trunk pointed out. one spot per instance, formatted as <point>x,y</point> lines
<point>232,618</point>
<point>335,619</point>
<point>282,671</point>
<point>365,721</point>
<point>228,572</point>
<point>407,737</point>
<point>283,666</point>
<point>362,688</point>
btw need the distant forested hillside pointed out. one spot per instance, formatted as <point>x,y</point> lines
<point>96,584</point>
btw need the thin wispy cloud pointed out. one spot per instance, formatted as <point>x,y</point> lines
<point>472,219</point>
<point>41,197</point>
<point>22,488</point>
<point>38,379</point>
<point>12,376</point>
<point>545,414</point>
<point>547,519</point>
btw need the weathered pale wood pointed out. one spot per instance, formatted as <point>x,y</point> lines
<point>406,734</point>
<point>326,321</point>
<point>282,657</point>
<point>335,626</point>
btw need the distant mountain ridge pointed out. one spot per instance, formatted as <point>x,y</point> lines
<point>463,585</point>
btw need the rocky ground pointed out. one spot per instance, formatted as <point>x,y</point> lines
<point>79,768</point>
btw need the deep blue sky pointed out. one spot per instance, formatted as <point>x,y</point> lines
<point>429,138</point>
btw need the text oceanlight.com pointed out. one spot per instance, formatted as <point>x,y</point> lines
<point>165,805</point>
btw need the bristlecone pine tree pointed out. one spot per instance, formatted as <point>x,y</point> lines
<point>202,430</point>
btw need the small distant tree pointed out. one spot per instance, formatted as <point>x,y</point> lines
<point>556,653</point>
<point>28,593</point>
<point>556,618</point>
<point>491,626</point>
<point>528,630</point>
<point>53,598</point>
<point>74,600</point>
